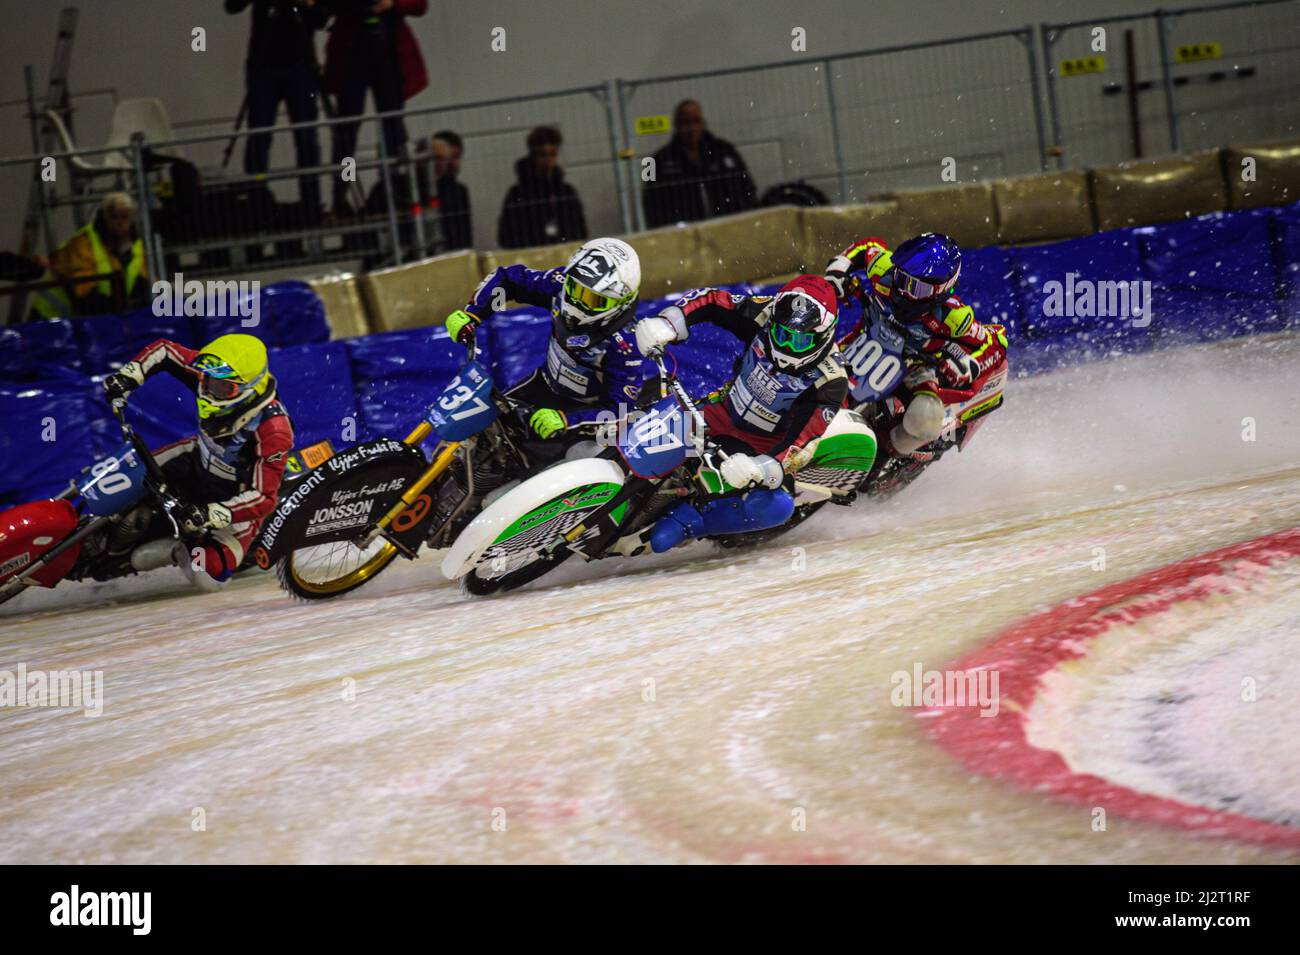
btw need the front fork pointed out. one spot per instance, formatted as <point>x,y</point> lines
<point>443,456</point>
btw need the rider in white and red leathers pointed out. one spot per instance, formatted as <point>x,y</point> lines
<point>786,387</point>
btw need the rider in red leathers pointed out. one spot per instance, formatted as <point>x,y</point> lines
<point>914,285</point>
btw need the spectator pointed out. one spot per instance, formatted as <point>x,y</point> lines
<point>109,243</point>
<point>281,67</point>
<point>370,47</point>
<point>453,198</point>
<point>541,208</point>
<point>697,175</point>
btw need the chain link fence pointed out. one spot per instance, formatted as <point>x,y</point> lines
<point>1167,81</point>
<point>904,110</point>
<point>1234,73</point>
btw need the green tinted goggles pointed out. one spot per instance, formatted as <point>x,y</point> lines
<point>793,341</point>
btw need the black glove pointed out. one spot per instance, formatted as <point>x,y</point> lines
<point>192,516</point>
<point>122,383</point>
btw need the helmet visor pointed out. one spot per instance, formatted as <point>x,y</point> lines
<point>588,300</point>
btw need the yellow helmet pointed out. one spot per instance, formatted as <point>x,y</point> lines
<point>234,383</point>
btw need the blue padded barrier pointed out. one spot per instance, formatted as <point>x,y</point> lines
<point>38,349</point>
<point>1286,253</point>
<point>49,431</point>
<point>1223,274</point>
<point>1212,277</point>
<point>315,383</point>
<point>398,374</point>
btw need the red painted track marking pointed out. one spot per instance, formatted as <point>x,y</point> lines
<point>997,746</point>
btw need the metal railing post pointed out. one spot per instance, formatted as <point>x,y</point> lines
<point>840,173</point>
<point>1034,91</point>
<point>609,94</point>
<point>388,193</point>
<point>1167,79</point>
<point>1054,111</point>
<point>625,91</point>
<point>153,255</point>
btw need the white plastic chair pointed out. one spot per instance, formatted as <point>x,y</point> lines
<point>145,115</point>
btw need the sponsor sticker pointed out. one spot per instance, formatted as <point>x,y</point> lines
<point>653,125</point>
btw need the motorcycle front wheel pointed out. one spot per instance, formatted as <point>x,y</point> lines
<point>333,569</point>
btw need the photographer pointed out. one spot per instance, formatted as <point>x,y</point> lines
<point>370,47</point>
<point>281,67</point>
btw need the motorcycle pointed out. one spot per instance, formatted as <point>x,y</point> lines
<point>877,362</point>
<point>356,511</point>
<point>92,528</point>
<point>607,505</point>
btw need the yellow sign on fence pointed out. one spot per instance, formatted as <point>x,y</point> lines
<point>650,125</point>
<point>1082,65</point>
<point>1195,52</point>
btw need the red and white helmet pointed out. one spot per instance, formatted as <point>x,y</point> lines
<point>801,323</point>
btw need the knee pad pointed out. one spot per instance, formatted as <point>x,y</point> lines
<point>921,424</point>
<point>924,418</point>
<point>218,562</point>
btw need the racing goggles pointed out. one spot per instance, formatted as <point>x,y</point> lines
<point>919,289</point>
<point>218,383</point>
<point>792,340</point>
<point>588,300</point>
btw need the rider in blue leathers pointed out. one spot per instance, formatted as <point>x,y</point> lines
<point>593,365</point>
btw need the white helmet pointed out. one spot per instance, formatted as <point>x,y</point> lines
<point>601,284</point>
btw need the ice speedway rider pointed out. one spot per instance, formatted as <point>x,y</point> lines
<point>913,285</point>
<point>786,387</point>
<point>592,359</point>
<point>231,470</point>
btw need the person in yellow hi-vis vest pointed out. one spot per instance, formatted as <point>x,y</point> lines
<point>109,243</point>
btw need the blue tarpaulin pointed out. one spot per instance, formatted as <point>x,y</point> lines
<point>1219,275</point>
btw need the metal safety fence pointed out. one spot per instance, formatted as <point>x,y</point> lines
<point>1172,80</point>
<point>839,128</point>
<point>857,124</point>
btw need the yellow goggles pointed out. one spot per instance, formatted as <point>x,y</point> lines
<point>589,301</point>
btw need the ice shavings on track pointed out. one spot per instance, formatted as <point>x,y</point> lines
<point>678,708</point>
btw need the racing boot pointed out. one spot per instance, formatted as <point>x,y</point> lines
<point>758,510</point>
<point>679,524</point>
<point>199,578</point>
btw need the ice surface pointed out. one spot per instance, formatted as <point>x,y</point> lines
<point>691,707</point>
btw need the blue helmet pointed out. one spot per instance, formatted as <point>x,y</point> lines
<point>925,272</point>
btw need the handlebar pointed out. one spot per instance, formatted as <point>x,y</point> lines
<point>671,385</point>
<point>151,465</point>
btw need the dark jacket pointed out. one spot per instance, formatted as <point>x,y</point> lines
<point>283,35</point>
<point>540,210</point>
<point>344,43</point>
<point>453,213</point>
<point>675,194</point>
